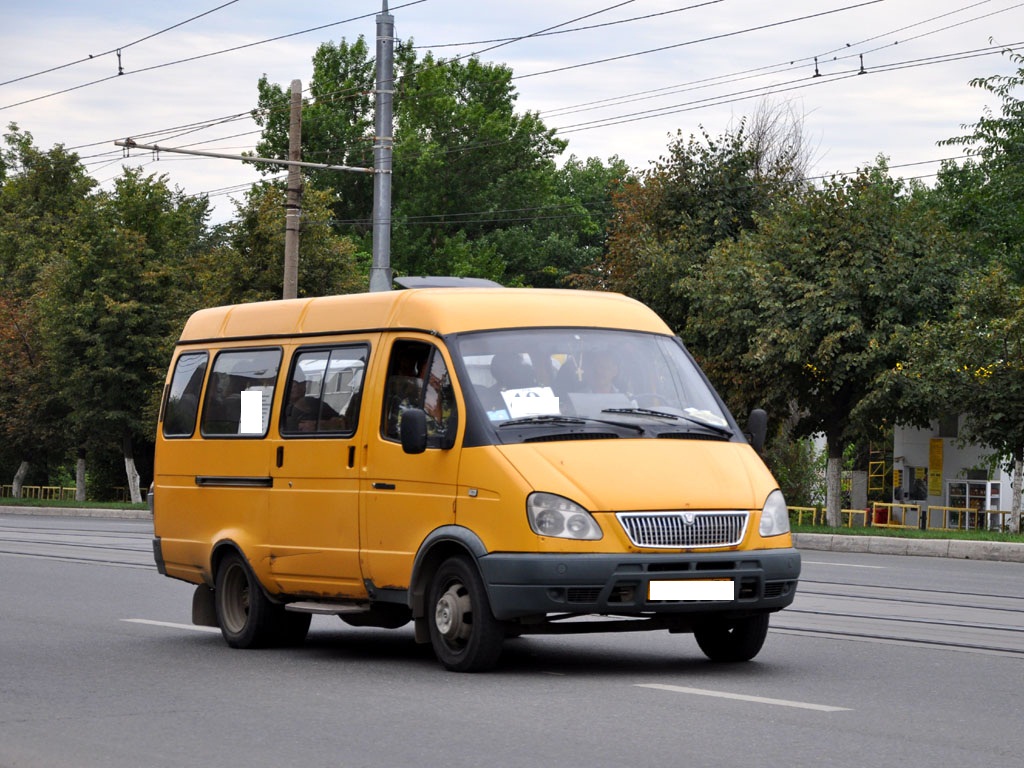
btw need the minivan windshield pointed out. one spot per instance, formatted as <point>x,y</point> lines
<point>553,375</point>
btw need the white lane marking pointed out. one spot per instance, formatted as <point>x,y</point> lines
<point>844,565</point>
<point>172,625</point>
<point>743,697</point>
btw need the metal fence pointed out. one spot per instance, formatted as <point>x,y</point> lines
<point>931,518</point>
<point>44,492</point>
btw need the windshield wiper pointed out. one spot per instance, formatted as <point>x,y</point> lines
<point>725,431</point>
<point>552,419</point>
<point>548,419</point>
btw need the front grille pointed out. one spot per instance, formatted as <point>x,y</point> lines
<point>684,529</point>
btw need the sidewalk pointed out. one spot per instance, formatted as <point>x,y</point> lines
<point>891,545</point>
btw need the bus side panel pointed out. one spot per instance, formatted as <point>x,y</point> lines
<point>203,487</point>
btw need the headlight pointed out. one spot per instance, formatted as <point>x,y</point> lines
<point>774,515</point>
<point>551,515</point>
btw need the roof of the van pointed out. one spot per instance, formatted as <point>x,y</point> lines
<point>440,310</point>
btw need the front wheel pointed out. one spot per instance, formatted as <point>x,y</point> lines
<point>732,640</point>
<point>463,632</point>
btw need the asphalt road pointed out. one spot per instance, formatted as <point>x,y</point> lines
<point>882,660</point>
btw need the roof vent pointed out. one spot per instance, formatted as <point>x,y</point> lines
<point>446,282</point>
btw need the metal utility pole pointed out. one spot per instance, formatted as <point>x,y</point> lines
<point>380,270</point>
<point>293,201</point>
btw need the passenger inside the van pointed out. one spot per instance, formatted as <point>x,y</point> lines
<point>300,413</point>
<point>305,413</point>
<point>601,371</point>
<point>406,376</point>
<point>509,371</point>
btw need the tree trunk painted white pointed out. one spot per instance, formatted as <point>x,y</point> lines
<point>834,491</point>
<point>1018,469</point>
<point>19,479</point>
<point>133,479</point>
<point>80,479</point>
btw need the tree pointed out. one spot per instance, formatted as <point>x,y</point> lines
<point>337,124</point>
<point>113,308</point>
<point>475,188</point>
<point>973,363</point>
<point>248,265</point>
<point>703,191</point>
<point>984,195</point>
<point>43,196</point>
<point>806,309</point>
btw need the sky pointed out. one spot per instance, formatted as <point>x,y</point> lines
<point>615,78</point>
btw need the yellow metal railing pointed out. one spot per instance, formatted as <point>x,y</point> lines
<point>887,515</point>
<point>817,516</point>
<point>44,492</point>
<point>968,519</point>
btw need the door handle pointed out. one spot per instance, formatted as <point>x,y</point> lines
<point>384,486</point>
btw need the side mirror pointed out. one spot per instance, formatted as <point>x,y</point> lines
<point>414,430</point>
<point>757,429</point>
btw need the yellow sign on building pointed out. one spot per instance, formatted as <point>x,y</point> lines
<point>935,466</point>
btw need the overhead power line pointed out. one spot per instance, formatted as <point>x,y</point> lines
<point>699,40</point>
<point>118,49</point>
<point>201,56</point>
<point>554,31</point>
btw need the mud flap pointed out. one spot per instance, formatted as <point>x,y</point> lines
<point>204,612</point>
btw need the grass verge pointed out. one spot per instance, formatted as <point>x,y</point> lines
<point>912,533</point>
<point>7,501</point>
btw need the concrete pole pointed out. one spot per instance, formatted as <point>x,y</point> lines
<point>380,270</point>
<point>293,200</point>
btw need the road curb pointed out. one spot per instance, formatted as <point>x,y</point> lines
<point>121,514</point>
<point>891,545</point>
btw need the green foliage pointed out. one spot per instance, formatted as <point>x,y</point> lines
<point>249,264</point>
<point>803,313</point>
<point>475,189</point>
<point>973,363</point>
<point>41,199</point>
<point>112,307</point>
<point>701,193</point>
<point>985,194</point>
<point>799,467</point>
<point>806,308</point>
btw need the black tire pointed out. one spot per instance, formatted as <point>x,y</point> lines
<point>246,616</point>
<point>463,632</point>
<point>732,640</point>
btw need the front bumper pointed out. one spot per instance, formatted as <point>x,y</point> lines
<point>521,585</point>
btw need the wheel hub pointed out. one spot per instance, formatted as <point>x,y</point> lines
<point>451,613</point>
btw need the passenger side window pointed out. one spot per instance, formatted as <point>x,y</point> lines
<point>418,378</point>
<point>324,391</point>
<point>182,405</point>
<point>240,392</point>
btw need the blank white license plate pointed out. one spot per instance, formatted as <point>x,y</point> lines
<point>690,589</point>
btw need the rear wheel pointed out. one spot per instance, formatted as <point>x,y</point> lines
<point>732,640</point>
<point>464,634</point>
<point>245,615</point>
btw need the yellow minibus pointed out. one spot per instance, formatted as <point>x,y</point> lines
<point>484,462</point>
